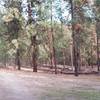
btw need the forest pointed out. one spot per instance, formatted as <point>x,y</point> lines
<point>56,35</point>
<point>44,44</point>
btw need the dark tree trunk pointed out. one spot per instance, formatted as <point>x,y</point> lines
<point>98,55</point>
<point>64,58</point>
<point>34,53</point>
<point>18,59</point>
<point>98,44</point>
<point>75,43</point>
<point>33,41</point>
<point>91,54</point>
<point>5,59</point>
<point>75,57</point>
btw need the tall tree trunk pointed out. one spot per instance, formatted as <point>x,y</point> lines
<point>98,32</point>
<point>98,44</point>
<point>33,41</point>
<point>71,53</point>
<point>34,53</point>
<point>50,53</point>
<point>75,45</point>
<point>53,56</point>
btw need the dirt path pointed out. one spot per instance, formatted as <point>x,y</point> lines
<point>39,86</point>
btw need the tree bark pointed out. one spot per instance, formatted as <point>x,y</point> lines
<point>18,59</point>
<point>34,53</point>
<point>53,56</point>
<point>98,44</point>
<point>75,45</point>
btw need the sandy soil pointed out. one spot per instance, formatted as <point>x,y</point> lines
<point>22,85</point>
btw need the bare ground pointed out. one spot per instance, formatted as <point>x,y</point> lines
<point>23,85</point>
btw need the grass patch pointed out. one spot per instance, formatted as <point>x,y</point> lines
<point>88,95</point>
<point>74,94</point>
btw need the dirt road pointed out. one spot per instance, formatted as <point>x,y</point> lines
<point>16,85</point>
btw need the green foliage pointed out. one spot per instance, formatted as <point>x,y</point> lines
<point>13,28</point>
<point>97,2</point>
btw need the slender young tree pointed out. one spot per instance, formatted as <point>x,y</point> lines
<point>52,41</point>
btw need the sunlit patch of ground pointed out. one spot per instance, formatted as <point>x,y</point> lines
<point>23,85</point>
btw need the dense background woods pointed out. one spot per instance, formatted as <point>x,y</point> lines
<point>58,35</point>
